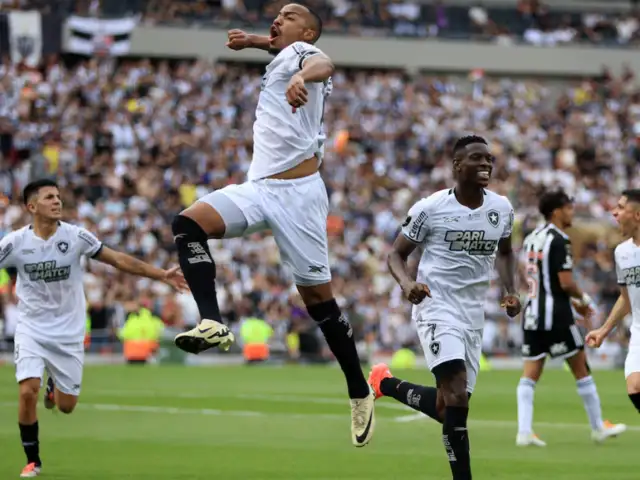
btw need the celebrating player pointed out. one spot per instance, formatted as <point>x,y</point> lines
<point>627,256</point>
<point>285,194</point>
<point>548,323</point>
<point>460,230</point>
<point>51,309</point>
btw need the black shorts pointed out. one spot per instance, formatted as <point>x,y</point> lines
<point>558,343</point>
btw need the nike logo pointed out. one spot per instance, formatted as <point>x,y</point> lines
<point>205,330</point>
<point>361,438</point>
<point>179,236</point>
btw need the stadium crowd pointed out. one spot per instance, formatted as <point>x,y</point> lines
<point>132,143</point>
<point>531,21</point>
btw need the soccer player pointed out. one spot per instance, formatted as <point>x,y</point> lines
<point>627,257</point>
<point>51,309</point>
<point>285,194</point>
<point>548,323</point>
<point>460,231</point>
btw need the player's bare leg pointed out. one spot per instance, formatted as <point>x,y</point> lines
<point>428,400</point>
<point>526,391</point>
<point>28,422</point>
<point>335,327</point>
<point>600,430</point>
<point>633,389</point>
<point>191,229</point>
<point>451,378</point>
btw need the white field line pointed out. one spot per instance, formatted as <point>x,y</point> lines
<point>242,413</point>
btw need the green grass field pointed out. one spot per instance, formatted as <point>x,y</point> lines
<point>254,423</point>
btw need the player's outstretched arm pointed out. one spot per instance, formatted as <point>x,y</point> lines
<point>397,261</point>
<point>506,266</point>
<point>620,310</point>
<point>239,40</point>
<point>132,265</point>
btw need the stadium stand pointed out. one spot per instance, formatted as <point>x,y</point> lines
<point>133,141</point>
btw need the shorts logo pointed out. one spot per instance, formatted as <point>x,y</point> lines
<point>76,387</point>
<point>435,348</point>
<point>558,348</point>
<point>526,350</point>
<point>63,247</point>
<point>16,353</point>
<point>316,268</point>
<point>494,218</point>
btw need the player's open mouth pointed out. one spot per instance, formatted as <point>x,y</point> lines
<point>484,174</point>
<point>273,33</point>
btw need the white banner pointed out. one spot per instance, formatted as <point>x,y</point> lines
<point>25,37</point>
<point>97,36</point>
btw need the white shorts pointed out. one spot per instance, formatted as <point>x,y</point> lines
<point>63,362</point>
<point>294,210</point>
<point>442,343</point>
<point>632,362</point>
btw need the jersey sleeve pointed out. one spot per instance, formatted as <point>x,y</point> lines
<point>416,226</point>
<point>619,273</point>
<point>302,51</point>
<point>90,246</point>
<point>508,224</point>
<point>7,249</point>
<point>560,256</point>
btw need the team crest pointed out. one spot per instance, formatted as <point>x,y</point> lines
<point>435,348</point>
<point>63,247</point>
<point>494,218</point>
<point>407,221</point>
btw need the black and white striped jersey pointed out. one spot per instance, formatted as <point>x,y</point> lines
<point>547,252</point>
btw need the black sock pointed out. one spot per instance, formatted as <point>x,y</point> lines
<point>197,265</point>
<point>635,399</point>
<point>422,399</point>
<point>456,441</point>
<point>339,335</point>
<point>30,443</point>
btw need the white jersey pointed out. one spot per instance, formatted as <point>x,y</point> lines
<point>283,139</point>
<point>459,252</point>
<point>51,301</point>
<point>627,256</point>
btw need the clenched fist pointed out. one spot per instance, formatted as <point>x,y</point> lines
<point>416,292</point>
<point>238,40</point>
<point>296,92</point>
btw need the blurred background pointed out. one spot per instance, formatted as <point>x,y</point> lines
<point>137,108</point>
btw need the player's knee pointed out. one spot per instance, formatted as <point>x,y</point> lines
<point>29,392</point>
<point>186,228</point>
<point>315,295</point>
<point>452,381</point>
<point>66,403</point>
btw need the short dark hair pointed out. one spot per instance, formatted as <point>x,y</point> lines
<point>35,186</point>
<point>632,194</point>
<point>463,142</point>
<point>550,201</point>
<point>315,18</point>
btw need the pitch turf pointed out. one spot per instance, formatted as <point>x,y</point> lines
<point>254,423</point>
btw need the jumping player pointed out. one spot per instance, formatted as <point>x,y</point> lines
<point>548,322</point>
<point>627,257</point>
<point>51,309</point>
<point>460,230</point>
<point>285,194</point>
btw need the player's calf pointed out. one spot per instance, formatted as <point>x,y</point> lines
<point>633,389</point>
<point>423,399</point>
<point>28,423</point>
<point>199,271</point>
<point>338,332</point>
<point>451,377</point>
